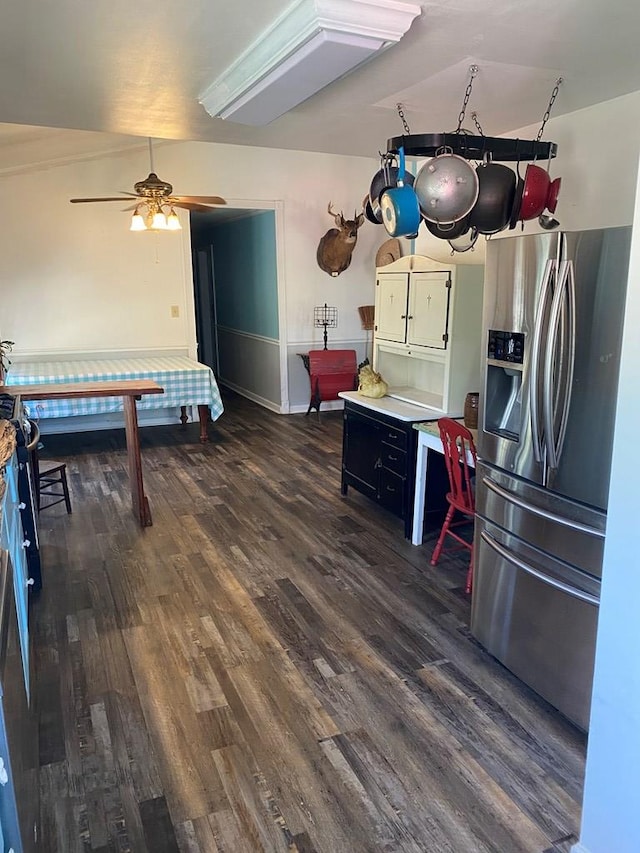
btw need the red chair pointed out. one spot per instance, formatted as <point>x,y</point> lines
<point>457,442</point>
<point>331,371</point>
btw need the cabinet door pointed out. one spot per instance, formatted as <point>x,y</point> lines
<point>429,309</point>
<point>391,306</point>
<point>12,538</point>
<point>362,452</point>
<point>21,592</point>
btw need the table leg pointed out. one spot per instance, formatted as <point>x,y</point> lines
<point>204,414</point>
<point>420,492</point>
<point>140,503</point>
<point>183,415</point>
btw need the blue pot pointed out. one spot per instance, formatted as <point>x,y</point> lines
<point>399,206</point>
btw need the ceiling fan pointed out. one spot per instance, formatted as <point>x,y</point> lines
<point>154,206</point>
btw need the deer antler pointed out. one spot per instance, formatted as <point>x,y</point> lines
<point>329,211</point>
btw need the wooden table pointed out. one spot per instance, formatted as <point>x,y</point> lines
<point>130,390</point>
<point>428,439</point>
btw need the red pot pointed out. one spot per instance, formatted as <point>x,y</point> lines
<point>552,196</point>
<point>535,192</point>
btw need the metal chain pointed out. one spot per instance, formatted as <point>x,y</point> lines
<point>473,70</point>
<point>474,116</point>
<point>403,119</point>
<point>545,117</point>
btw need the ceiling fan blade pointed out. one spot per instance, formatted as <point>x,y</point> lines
<point>201,199</point>
<point>190,205</point>
<point>81,200</point>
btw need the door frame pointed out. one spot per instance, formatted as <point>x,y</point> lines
<point>277,207</point>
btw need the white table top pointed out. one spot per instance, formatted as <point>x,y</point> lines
<point>395,408</point>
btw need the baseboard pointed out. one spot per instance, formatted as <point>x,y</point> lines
<point>329,406</point>
<point>256,398</point>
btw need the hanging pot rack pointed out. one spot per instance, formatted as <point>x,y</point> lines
<point>472,147</point>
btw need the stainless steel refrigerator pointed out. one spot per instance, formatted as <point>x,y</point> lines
<point>553,313</point>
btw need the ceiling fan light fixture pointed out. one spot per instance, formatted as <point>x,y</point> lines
<point>159,221</point>
<point>173,223</point>
<point>154,204</point>
<point>137,221</point>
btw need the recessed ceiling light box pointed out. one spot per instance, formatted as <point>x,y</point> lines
<point>309,46</point>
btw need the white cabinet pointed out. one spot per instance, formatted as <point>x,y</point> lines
<point>427,331</point>
<point>413,308</point>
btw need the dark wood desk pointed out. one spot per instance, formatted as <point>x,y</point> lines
<point>130,390</point>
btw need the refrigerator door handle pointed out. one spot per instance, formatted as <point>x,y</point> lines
<point>570,286</point>
<point>534,361</point>
<point>559,357</point>
<point>525,567</point>
<point>508,496</point>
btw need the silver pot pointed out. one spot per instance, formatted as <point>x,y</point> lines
<point>447,188</point>
<point>466,241</point>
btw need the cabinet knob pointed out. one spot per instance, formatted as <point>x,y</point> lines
<point>403,316</point>
<point>410,317</point>
<point>378,463</point>
<point>22,505</point>
<point>30,582</point>
<point>26,543</point>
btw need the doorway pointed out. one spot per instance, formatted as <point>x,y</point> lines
<point>205,307</point>
<point>237,300</point>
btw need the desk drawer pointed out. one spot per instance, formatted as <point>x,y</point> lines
<point>395,437</point>
<point>392,492</point>
<point>394,459</point>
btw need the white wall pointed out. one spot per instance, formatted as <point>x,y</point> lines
<point>75,279</point>
<point>597,161</point>
<point>611,807</point>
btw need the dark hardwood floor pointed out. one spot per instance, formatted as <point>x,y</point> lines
<point>272,667</point>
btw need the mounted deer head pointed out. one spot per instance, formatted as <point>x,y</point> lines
<point>335,248</point>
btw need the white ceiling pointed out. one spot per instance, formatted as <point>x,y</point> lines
<point>137,69</point>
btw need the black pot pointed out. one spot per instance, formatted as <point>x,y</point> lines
<point>492,210</point>
<point>385,179</point>
<point>370,213</point>
<point>448,232</point>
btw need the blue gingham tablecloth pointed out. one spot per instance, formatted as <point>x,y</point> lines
<point>185,383</point>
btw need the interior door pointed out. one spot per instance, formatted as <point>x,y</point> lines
<point>429,309</point>
<point>391,306</point>
<point>205,307</point>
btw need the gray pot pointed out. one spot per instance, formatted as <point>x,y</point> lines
<point>447,188</point>
<point>466,241</point>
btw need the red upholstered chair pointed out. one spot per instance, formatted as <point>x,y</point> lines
<point>331,371</point>
<point>457,441</point>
